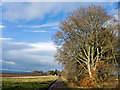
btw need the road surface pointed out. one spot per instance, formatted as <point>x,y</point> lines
<point>59,85</point>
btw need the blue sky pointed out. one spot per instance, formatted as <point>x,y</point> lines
<point>28,29</point>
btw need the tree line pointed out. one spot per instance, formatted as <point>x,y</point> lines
<point>50,72</point>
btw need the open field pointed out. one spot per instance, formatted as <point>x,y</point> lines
<point>28,83</point>
<point>15,75</point>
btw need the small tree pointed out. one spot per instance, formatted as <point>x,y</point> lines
<point>56,72</point>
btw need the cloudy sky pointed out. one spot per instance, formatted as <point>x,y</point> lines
<point>28,28</point>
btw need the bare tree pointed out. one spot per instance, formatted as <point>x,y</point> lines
<point>86,38</point>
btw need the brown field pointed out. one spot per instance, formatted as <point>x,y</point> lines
<point>15,75</point>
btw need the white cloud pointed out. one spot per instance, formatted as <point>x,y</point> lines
<point>20,26</point>
<point>31,11</point>
<point>39,31</point>
<point>55,28</point>
<point>30,56</point>
<point>6,38</point>
<point>2,26</point>
<point>34,10</point>
<point>8,62</point>
<point>42,46</point>
<point>46,25</point>
<point>53,25</point>
<point>35,31</point>
<point>40,26</point>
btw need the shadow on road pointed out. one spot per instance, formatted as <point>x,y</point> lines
<point>59,85</point>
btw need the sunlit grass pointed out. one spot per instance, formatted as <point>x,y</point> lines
<point>30,83</point>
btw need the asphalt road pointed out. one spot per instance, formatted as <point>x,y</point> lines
<point>59,85</point>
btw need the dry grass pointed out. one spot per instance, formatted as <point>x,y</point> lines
<point>109,84</point>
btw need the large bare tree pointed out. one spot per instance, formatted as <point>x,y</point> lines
<point>87,37</point>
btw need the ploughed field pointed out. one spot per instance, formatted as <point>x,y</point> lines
<point>15,75</point>
<point>28,83</point>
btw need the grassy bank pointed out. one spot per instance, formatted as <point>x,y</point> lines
<point>28,83</point>
<point>110,84</point>
<point>70,85</point>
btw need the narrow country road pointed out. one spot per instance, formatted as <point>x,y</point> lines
<point>59,85</point>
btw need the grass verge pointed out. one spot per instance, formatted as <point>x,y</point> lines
<point>111,84</point>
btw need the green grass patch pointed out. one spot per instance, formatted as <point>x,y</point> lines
<point>28,83</point>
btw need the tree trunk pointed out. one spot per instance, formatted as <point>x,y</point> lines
<point>89,67</point>
<point>89,70</point>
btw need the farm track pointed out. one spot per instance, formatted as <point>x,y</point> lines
<point>59,85</point>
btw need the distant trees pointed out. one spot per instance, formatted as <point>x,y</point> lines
<point>50,72</point>
<point>86,38</point>
<point>36,73</point>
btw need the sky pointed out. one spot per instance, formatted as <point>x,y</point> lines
<point>28,29</point>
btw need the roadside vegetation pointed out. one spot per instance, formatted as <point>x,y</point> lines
<point>88,48</point>
<point>28,83</point>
